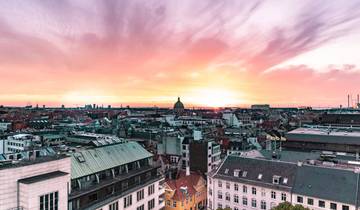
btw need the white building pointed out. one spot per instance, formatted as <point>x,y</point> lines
<point>4,126</point>
<point>230,119</point>
<point>41,183</point>
<point>249,183</point>
<point>20,142</point>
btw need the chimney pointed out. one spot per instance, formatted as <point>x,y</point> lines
<point>187,170</point>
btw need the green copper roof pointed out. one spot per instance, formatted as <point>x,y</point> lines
<point>98,159</point>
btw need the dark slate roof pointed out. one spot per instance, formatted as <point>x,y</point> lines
<point>42,177</point>
<point>254,167</point>
<point>314,181</point>
<point>327,183</point>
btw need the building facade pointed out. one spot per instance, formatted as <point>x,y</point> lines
<point>42,183</point>
<point>114,177</point>
<point>249,183</point>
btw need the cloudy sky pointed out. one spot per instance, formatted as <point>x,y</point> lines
<point>149,52</point>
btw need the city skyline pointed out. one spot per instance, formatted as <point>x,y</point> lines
<point>211,54</point>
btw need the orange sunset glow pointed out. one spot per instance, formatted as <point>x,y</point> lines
<point>209,53</point>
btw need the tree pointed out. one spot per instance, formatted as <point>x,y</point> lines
<point>289,206</point>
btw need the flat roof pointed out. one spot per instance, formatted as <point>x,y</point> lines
<point>341,132</point>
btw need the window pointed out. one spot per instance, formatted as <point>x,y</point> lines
<point>114,206</point>
<point>219,194</point>
<point>310,201</point>
<point>345,207</point>
<point>236,187</point>
<point>333,206</point>
<point>276,179</point>
<point>210,191</point>
<point>127,201</point>
<point>253,190</point>
<point>49,201</point>
<point>321,204</point>
<point>219,205</point>
<point>253,203</point>
<point>227,196</point>
<point>140,195</point>
<point>300,199</point>
<point>236,172</point>
<point>151,189</point>
<point>151,204</point>
<point>245,201</point>
<point>236,199</point>
<point>140,207</point>
<point>260,176</point>
<point>283,196</point>
<point>244,189</point>
<point>263,193</point>
<point>219,184</point>
<point>174,203</point>
<point>263,205</point>
<point>285,180</point>
<point>227,185</point>
<point>244,174</point>
<point>273,194</point>
<point>236,208</point>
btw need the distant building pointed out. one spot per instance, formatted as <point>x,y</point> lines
<point>179,107</point>
<point>340,119</point>
<point>204,156</point>
<point>187,191</point>
<point>39,183</point>
<point>5,126</point>
<point>324,139</point>
<point>260,106</point>
<point>21,142</point>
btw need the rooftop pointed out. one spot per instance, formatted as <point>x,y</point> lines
<point>98,159</point>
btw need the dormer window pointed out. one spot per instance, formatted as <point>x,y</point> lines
<point>226,171</point>
<point>285,180</point>
<point>236,173</point>
<point>244,174</point>
<point>276,179</point>
<point>260,176</point>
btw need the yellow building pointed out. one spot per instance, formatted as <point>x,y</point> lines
<point>187,192</point>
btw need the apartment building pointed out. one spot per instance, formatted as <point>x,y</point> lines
<point>250,183</point>
<point>114,177</point>
<point>33,184</point>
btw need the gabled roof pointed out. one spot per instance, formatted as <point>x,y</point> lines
<point>91,161</point>
<point>190,182</point>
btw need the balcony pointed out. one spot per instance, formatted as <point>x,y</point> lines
<point>161,202</point>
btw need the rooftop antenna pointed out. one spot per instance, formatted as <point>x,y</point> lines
<point>358,101</point>
<point>348,100</point>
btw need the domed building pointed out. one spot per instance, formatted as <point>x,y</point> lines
<point>179,107</point>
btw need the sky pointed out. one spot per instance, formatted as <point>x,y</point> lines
<point>149,52</point>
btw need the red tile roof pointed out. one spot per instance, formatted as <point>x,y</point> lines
<point>184,181</point>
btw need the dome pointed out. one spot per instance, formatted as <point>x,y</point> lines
<point>178,104</point>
